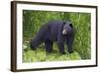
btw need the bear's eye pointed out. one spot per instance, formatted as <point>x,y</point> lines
<point>71,25</point>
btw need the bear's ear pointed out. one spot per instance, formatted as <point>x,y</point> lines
<point>71,25</point>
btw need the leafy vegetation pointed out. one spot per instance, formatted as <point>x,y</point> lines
<point>33,20</point>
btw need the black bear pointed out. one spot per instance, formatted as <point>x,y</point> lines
<point>56,30</point>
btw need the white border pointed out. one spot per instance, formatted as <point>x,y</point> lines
<point>21,65</point>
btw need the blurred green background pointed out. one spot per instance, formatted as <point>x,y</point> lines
<point>33,20</point>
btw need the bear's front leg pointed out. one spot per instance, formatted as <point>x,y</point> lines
<point>69,43</point>
<point>61,47</point>
<point>60,42</point>
<point>48,46</point>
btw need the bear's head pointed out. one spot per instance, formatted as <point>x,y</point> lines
<point>67,28</point>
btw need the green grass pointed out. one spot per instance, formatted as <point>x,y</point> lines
<point>40,55</point>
